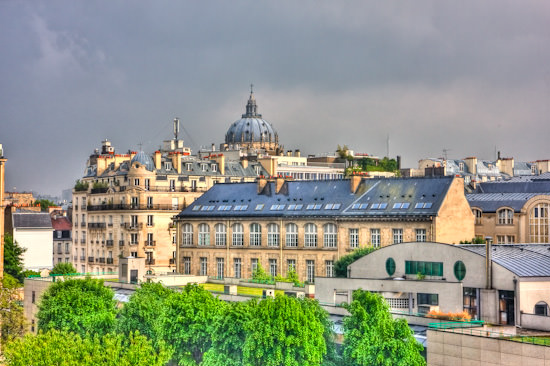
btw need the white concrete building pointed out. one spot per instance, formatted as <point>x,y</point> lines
<point>33,231</point>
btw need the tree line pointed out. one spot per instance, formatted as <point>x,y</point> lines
<point>79,323</point>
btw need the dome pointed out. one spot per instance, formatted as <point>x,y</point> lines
<point>251,127</point>
<point>144,159</point>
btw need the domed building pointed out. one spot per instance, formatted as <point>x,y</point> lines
<point>252,132</point>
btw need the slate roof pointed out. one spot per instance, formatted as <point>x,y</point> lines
<point>32,220</point>
<point>513,193</point>
<point>524,260</point>
<point>401,197</point>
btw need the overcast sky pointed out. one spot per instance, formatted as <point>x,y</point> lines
<point>467,76</point>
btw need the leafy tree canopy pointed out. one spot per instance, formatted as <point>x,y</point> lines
<point>63,268</point>
<point>373,337</point>
<point>67,349</point>
<point>341,265</point>
<point>12,319</point>
<point>80,186</point>
<point>143,311</point>
<point>260,274</point>
<point>77,305</point>
<point>187,323</point>
<point>13,258</point>
<point>44,204</point>
<point>284,331</point>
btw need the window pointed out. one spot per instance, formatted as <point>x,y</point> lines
<point>221,235</point>
<point>424,268</point>
<point>259,207</point>
<point>147,183</point>
<point>133,254</point>
<point>310,271</point>
<point>390,266</point>
<point>470,301</point>
<point>134,221</point>
<point>330,236</point>
<point>310,237</point>
<point>420,235</point>
<point>255,235</point>
<point>375,238</point>
<point>203,271</point>
<point>428,299</point>
<point>539,224</point>
<point>291,265</point>
<point>312,206</point>
<point>238,236</point>
<point>459,270</point>
<point>477,216</point>
<point>33,299</point>
<point>329,268</point>
<point>133,238</point>
<point>505,216</point>
<point>291,237</point>
<point>220,268</point>
<point>272,235</point>
<point>541,308</point>
<point>273,267</point>
<point>204,234</point>
<point>253,264</point>
<point>136,181</point>
<point>186,265</point>
<point>150,240</point>
<point>354,238</point>
<point>214,168</point>
<point>172,185</point>
<point>149,220</point>
<point>505,239</point>
<point>149,202</point>
<point>397,236</point>
<point>237,267</point>
<point>187,234</point>
<point>134,202</point>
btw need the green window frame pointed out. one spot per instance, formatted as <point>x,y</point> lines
<point>459,270</point>
<point>390,266</point>
<point>425,268</point>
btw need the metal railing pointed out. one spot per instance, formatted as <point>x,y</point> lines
<point>96,225</point>
<point>109,260</point>
<point>150,243</point>
<point>154,207</point>
<point>109,242</point>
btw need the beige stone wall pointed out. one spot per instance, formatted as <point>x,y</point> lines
<point>454,221</point>
<point>531,292</point>
<point>446,348</point>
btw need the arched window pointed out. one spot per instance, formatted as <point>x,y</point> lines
<point>541,308</point>
<point>187,234</point>
<point>330,236</point>
<point>237,238</point>
<point>272,235</point>
<point>204,234</point>
<point>538,223</point>
<point>255,235</point>
<point>310,237</point>
<point>221,234</point>
<point>505,216</point>
<point>477,214</point>
<point>291,238</point>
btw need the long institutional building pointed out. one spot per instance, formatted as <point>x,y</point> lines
<point>124,203</point>
<point>308,225</point>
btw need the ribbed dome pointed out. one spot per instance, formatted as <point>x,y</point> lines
<point>251,127</point>
<point>144,159</point>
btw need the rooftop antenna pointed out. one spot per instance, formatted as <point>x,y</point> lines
<point>176,127</point>
<point>388,146</point>
<point>445,153</point>
<point>251,88</point>
<point>140,146</point>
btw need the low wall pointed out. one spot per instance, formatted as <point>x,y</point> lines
<point>537,322</point>
<point>449,348</point>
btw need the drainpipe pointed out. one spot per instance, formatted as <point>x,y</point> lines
<point>488,262</point>
<point>517,314</point>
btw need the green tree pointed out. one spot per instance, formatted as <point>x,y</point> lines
<point>12,318</point>
<point>68,349</point>
<point>80,186</point>
<point>13,258</point>
<point>260,274</point>
<point>187,323</point>
<point>77,305</point>
<point>284,331</point>
<point>63,268</point>
<point>229,335</point>
<point>341,265</point>
<point>373,337</point>
<point>143,311</point>
<point>44,204</point>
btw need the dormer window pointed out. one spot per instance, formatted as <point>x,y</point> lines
<point>167,166</point>
<point>136,182</point>
<point>214,167</point>
<point>461,166</point>
<point>189,167</point>
<point>204,167</point>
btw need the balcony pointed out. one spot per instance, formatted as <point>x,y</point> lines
<point>83,207</point>
<point>149,261</point>
<point>109,242</point>
<point>59,251</point>
<point>75,258</point>
<point>150,243</point>
<point>132,226</point>
<point>82,258</point>
<point>153,207</point>
<point>91,259</point>
<point>82,241</point>
<point>102,260</point>
<point>99,190</point>
<point>109,260</point>
<point>83,224</point>
<point>96,225</point>
<point>172,260</point>
<point>121,243</point>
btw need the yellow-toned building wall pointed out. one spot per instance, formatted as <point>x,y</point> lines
<point>455,220</point>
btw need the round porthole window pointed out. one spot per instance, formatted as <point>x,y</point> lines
<point>460,270</point>
<point>390,266</point>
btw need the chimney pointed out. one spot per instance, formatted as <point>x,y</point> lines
<point>101,164</point>
<point>279,182</point>
<point>244,163</point>
<point>289,153</point>
<point>297,153</point>
<point>262,182</point>
<point>355,180</point>
<point>471,163</point>
<point>488,262</point>
<point>158,159</point>
<point>213,147</point>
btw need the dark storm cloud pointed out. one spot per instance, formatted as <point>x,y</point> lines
<point>465,76</point>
